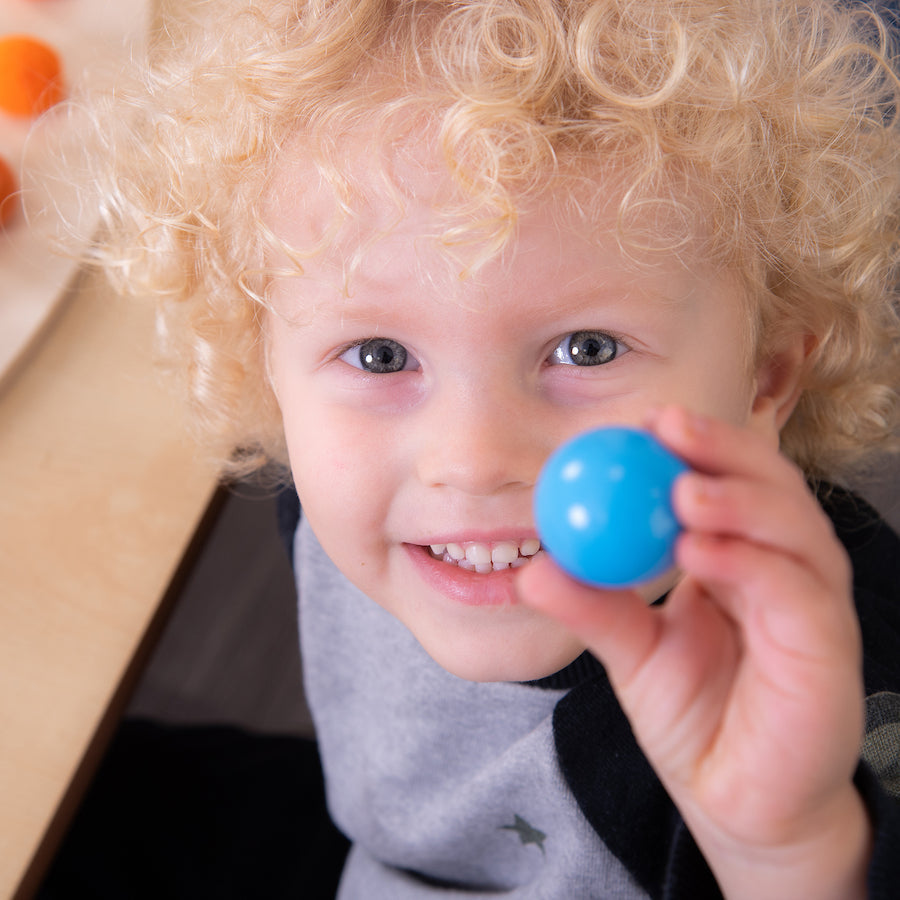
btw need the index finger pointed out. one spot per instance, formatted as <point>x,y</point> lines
<point>715,447</point>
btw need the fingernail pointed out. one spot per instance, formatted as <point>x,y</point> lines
<point>701,487</point>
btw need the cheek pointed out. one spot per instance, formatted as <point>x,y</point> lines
<point>731,372</point>
<point>342,475</point>
<point>721,384</point>
<point>343,501</point>
<point>326,460</point>
<point>736,397</point>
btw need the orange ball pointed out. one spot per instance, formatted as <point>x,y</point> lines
<point>8,204</point>
<point>31,78</point>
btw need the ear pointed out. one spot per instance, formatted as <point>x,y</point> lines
<point>779,383</point>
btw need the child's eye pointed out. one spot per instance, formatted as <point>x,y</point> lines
<point>587,348</point>
<point>380,356</point>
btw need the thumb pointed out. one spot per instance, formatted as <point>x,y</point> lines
<point>617,626</point>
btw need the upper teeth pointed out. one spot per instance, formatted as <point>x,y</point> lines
<point>484,558</point>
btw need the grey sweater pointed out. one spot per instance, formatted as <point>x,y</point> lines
<point>451,788</point>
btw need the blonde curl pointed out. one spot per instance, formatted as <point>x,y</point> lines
<point>766,130</point>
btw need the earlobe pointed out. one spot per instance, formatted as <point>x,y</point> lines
<point>780,382</point>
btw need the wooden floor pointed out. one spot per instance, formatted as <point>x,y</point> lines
<point>230,651</point>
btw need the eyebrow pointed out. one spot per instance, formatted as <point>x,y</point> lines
<point>376,299</point>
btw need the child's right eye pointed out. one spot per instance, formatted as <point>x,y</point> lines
<point>380,356</point>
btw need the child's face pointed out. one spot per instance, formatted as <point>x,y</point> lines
<point>419,411</point>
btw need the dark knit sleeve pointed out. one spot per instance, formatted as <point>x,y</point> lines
<point>620,795</point>
<point>874,551</point>
<point>884,811</point>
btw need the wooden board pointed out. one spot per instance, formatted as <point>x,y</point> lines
<point>101,495</point>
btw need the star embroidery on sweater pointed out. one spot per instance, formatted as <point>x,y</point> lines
<point>528,834</point>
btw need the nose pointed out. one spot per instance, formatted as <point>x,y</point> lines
<point>481,442</point>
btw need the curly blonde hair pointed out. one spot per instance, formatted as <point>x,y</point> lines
<point>781,115</point>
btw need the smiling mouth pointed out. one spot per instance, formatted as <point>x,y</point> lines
<point>483,558</point>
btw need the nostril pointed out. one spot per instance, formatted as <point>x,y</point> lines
<point>474,448</point>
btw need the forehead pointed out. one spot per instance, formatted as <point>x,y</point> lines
<point>379,211</point>
<point>363,178</point>
<point>399,251</point>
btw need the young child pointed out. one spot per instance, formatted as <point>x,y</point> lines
<point>404,249</point>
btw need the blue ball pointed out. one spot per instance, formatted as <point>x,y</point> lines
<point>603,507</point>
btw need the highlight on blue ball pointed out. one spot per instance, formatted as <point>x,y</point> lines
<point>603,507</point>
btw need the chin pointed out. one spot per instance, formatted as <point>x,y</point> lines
<point>503,664</point>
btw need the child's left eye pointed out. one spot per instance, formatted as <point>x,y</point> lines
<point>587,348</point>
<point>380,356</point>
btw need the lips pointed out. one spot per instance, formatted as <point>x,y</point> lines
<point>473,573</point>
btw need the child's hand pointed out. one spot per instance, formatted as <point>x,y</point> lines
<point>744,689</point>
